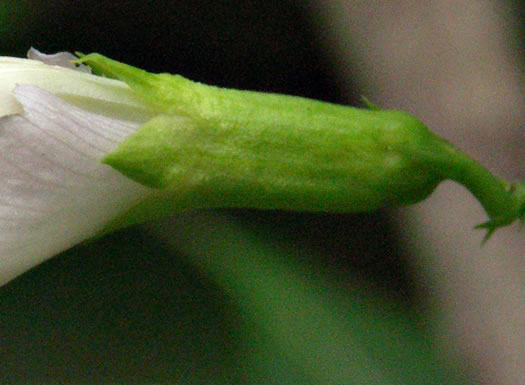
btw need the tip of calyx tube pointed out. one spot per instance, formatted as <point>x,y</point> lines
<point>516,192</point>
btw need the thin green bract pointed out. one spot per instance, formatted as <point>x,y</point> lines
<point>213,147</point>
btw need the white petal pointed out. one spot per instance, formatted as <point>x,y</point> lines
<point>54,192</point>
<point>101,95</point>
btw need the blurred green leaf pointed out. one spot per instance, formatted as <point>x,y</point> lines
<point>234,308</point>
<point>329,335</point>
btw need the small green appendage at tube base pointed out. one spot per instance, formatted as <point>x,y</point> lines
<point>210,147</point>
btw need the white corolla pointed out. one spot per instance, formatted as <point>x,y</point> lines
<point>57,121</point>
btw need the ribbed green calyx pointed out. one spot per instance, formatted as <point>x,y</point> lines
<point>214,147</point>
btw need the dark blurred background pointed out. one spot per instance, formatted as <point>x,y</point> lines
<point>126,309</point>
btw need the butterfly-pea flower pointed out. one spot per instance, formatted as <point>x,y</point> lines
<point>82,154</point>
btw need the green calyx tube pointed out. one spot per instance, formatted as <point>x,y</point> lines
<point>210,147</point>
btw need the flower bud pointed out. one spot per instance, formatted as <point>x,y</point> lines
<point>82,154</point>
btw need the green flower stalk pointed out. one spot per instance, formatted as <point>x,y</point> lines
<point>82,154</point>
